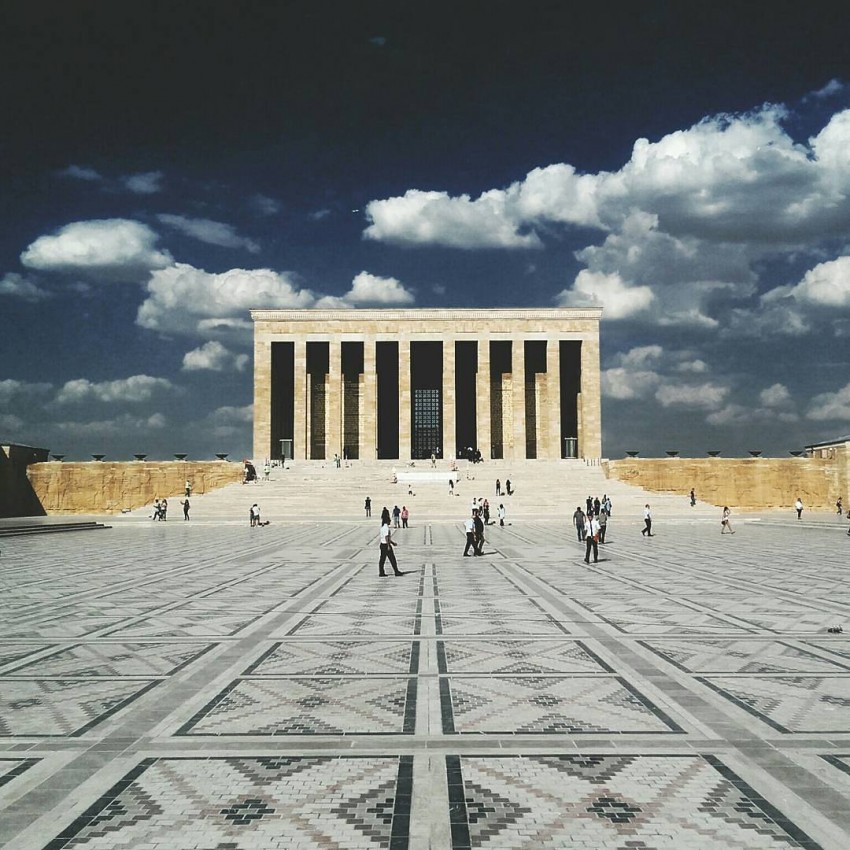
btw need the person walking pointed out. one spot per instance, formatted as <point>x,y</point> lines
<point>502,515</point>
<point>186,506</point>
<point>396,516</point>
<point>155,514</point>
<point>498,487</point>
<point>725,523</point>
<point>591,538</point>
<point>368,506</point>
<point>603,524</point>
<point>469,528</point>
<point>163,510</point>
<point>798,506</point>
<point>508,489</point>
<point>478,523</point>
<point>386,542</point>
<point>254,515</point>
<point>578,522</point>
<point>405,515</point>
<point>693,498</point>
<point>647,521</point>
<point>188,488</point>
<point>839,506</point>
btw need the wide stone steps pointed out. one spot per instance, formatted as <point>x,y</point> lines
<point>542,489</point>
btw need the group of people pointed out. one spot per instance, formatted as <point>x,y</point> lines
<point>160,510</point>
<point>399,513</point>
<point>591,524</point>
<point>474,528</point>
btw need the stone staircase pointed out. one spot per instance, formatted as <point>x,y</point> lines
<point>317,490</point>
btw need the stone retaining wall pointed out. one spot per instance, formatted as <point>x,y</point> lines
<point>102,487</point>
<point>745,483</point>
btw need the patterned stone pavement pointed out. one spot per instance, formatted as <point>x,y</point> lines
<point>213,687</point>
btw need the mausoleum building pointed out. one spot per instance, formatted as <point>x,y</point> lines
<point>403,384</point>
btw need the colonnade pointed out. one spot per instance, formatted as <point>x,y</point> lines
<point>403,384</point>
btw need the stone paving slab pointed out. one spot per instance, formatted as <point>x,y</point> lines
<point>215,687</point>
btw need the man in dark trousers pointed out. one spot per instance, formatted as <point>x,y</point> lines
<point>479,532</point>
<point>387,548</point>
<point>591,538</point>
<point>469,528</point>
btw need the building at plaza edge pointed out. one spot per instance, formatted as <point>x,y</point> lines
<point>403,384</point>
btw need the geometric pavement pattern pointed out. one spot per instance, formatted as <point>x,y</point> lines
<point>204,685</point>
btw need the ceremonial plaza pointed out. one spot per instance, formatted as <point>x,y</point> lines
<point>209,684</point>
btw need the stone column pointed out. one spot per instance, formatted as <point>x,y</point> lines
<point>483,431</point>
<point>590,432</point>
<point>300,437</point>
<point>333,401</point>
<point>404,398</point>
<point>449,383</point>
<point>553,398</point>
<point>518,393</point>
<point>369,403</point>
<point>262,398</point>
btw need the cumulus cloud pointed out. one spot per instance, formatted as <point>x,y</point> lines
<point>17,286</point>
<point>686,224</point>
<point>827,406</point>
<point>116,247</point>
<point>214,357</point>
<point>210,232</point>
<point>119,426</point>
<point>370,289</point>
<point>146,183</point>
<point>81,172</point>
<point>136,388</point>
<point>435,218</point>
<point>180,298</point>
<point>825,285</point>
<point>20,393</point>
<point>624,384</point>
<point>694,396</point>
<point>619,301</point>
<point>228,421</point>
<point>775,396</point>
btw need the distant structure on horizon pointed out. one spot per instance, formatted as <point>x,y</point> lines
<point>398,384</point>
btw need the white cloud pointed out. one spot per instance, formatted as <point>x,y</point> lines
<point>370,289</point>
<point>826,285</point>
<point>214,357</point>
<point>828,406</point>
<point>623,384</point>
<point>119,247</point>
<point>696,367</point>
<point>17,286</point>
<point>211,232</point>
<point>146,183</point>
<point>13,392</point>
<point>264,205</point>
<point>227,421</point>
<point>693,396</point>
<point>11,424</point>
<point>775,396</point>
<point>133,389</point>
<point>186,300</point>
<point>120,426</point>
<point>435,218</point>
<point>608,291</point>
<point>81,172</point>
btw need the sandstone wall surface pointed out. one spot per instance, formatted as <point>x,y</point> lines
<point>744,483</point>
<point>101,487</point>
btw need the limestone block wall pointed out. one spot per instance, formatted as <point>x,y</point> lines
<point>109,487</point>
<point>744,483</point>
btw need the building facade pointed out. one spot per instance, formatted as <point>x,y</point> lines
<point>397,384</point>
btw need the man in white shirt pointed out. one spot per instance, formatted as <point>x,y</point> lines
<point>469,528</point>
<point>591,538</point>
<point>387,551</point>
<point>647,521</point>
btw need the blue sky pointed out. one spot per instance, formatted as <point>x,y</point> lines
<point>165,167</point>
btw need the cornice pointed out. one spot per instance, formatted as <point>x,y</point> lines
<point>426,314</point>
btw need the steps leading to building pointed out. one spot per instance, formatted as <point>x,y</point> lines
<point>319,490</point>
